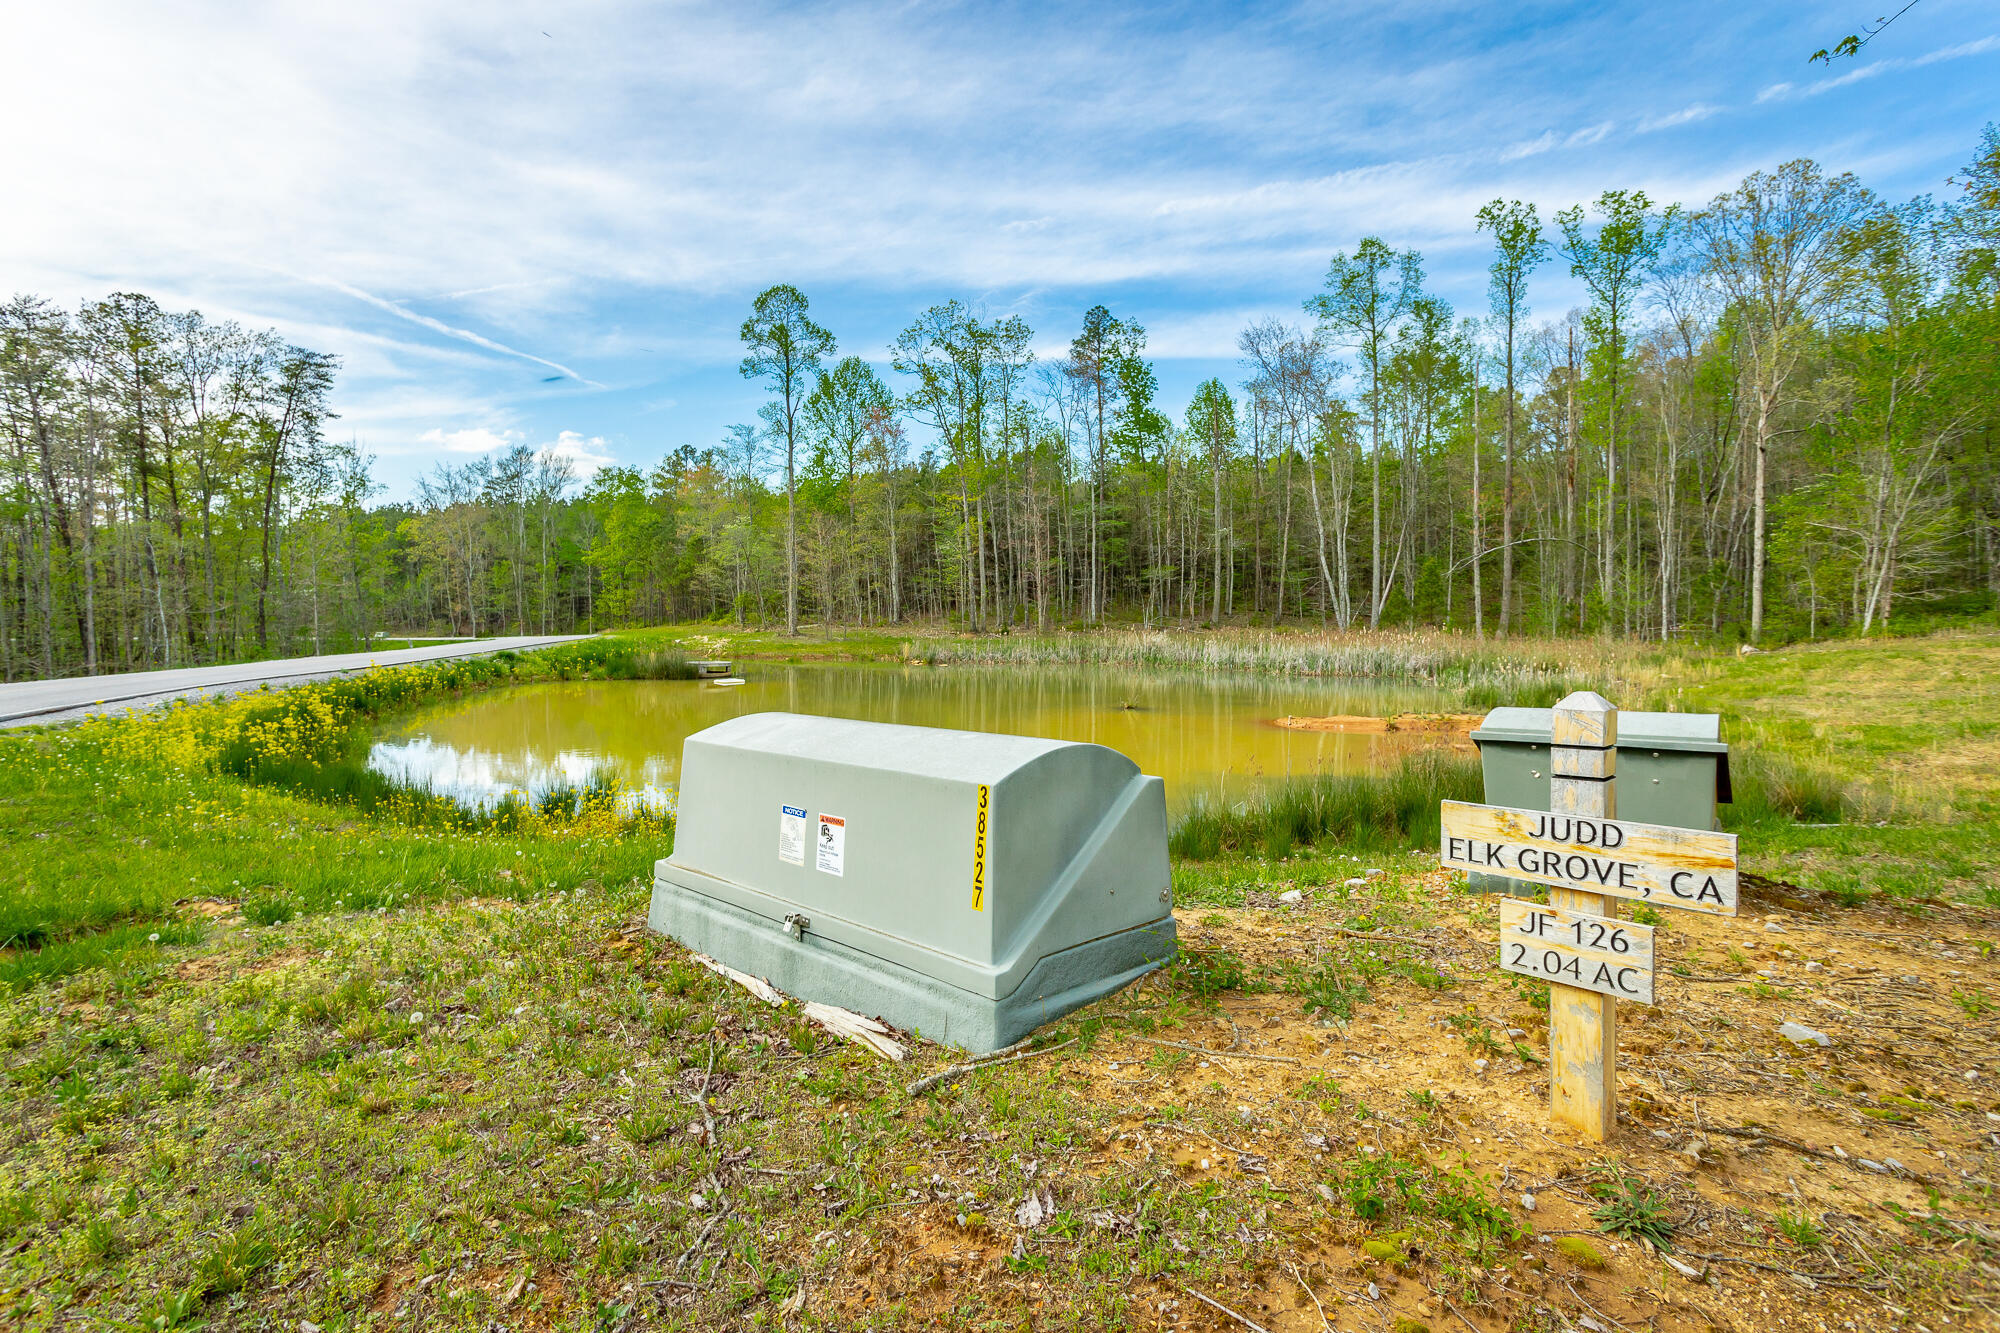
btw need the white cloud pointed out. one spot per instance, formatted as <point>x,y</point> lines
<point>1877,68</point>
<point>588,456</point>
<point>468,440</point>
<point>1973,48</point>
<point>439,326</point>
<point>485,208</point>
<point>1530,147</point>
<point>1687,115</point>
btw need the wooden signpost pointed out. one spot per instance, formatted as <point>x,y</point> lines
<point>1590,859</point>
<point>1654,863</point>
<point>1594,953</point>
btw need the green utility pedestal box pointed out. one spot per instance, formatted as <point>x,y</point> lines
<point>1673,768</point>
<point>965,885</point>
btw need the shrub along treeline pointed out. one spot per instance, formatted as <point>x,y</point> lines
<point>1776,416</point>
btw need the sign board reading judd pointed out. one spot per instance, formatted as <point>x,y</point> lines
<point>1692,869</point>
<point>1595,953</point>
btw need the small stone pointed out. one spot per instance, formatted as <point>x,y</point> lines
<point>1840,1152</point>
<point>1872,1166</point>
<point>1896,1166</point>
<point>1480,1065</point>
<point>1815,966</point>
<point>1291,897</point>
<point>308,1326</point>
<point>1376,872</point>
<point>1374,1292</point>
<point>1357,883</point>
<point>1687,1271</point>
<point>1802,1035</point>
<point>1517,1033</point>
<point>696,1202</point>
<point>1528,1203</point>
<point>1773,928</point>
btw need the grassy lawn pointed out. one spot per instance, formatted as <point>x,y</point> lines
<point>273,1056</point>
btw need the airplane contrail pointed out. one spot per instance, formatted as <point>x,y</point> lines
<point>439,326</point>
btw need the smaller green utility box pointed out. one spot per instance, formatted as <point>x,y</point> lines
<point>1673,768</point>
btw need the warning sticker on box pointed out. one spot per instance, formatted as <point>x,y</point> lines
<point>832,844</point>
<point>792,834</point>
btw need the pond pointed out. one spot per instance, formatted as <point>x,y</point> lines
<point>1206,735</point>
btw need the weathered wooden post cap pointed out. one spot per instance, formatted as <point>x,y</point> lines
<point>965,885</point>
<point>1585,718</point>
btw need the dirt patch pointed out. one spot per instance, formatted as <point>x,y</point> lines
<point>1421,724</point>
<point>210,908</point>
<point>1802,1186</point>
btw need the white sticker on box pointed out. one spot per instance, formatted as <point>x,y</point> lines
<point>792,834</point>
<point>832,844</point>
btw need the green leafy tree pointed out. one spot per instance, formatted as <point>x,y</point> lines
<point>1364,301</point>
<point>1211,424</point>
<point>785,350</point>
<point>1518,250</point>
<point>1613,261</point>
<point>1772,246</point>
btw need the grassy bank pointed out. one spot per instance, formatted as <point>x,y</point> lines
<point>1860,769</point>
<point>535,1115</point>
<point>276,1046</point>
<point>127,831</point>
<point>1533,672</point>
<point>1359,811</point>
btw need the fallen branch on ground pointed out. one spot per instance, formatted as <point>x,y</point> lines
<point>1220,1055</point>
<point>1006,1055</point>
<point>1218,1305</point>
<point>858,1028</point>
<point>1388,939</point>
<point>1823,1279</point>
<point>757,986</point>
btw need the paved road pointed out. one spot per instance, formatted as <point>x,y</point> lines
<point>37,702</point>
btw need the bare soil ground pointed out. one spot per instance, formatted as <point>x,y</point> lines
<point>1436,725</point>
<point>1800,1186</point>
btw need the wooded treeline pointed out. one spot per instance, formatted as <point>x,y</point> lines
<point>1776,416</point>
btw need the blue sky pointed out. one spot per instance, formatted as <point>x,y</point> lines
<point>545,223</point>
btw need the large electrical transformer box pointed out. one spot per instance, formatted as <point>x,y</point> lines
<point>964,885</point>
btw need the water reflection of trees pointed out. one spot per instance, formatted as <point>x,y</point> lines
<point>1204,734</point>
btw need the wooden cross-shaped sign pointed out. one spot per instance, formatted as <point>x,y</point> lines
<point>1590,859</point>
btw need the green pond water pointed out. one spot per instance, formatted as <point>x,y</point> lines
<point>1205,735</point>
